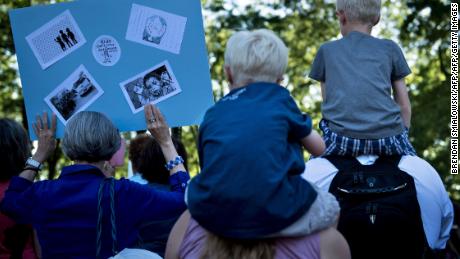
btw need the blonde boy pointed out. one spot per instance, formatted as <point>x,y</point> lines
<point>250,151</point>
<point>358,74</point>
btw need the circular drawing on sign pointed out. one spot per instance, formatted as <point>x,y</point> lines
<point>106,50</point>
<point>155,29</point>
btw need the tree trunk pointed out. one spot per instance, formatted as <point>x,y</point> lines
<point>25,123</point>
<point>177,133</point>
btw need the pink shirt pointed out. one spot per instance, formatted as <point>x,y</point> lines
<point>6,224</point>
<point>300,247</point>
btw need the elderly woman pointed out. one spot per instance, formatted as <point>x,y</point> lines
<point>15,239</point>
<point>85,213</point>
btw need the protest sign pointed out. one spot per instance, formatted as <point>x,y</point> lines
<point>113,57</point>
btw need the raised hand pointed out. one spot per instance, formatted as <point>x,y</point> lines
<point>46,137</point>
<point>157,124</point>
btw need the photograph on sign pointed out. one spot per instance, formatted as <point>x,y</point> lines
<point>156,28</point>
<point>151,86</point>
<point>56,39</point>
<point>106,50</point>
<point>75,94</point>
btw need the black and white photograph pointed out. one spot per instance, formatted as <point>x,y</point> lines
<point>156,28</point>
<point>151,86</point>
<point>75,94</point>
<point>56,39</point>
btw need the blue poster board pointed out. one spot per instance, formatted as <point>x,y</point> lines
<point>188,62</point>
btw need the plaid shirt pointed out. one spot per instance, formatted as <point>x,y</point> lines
<point>344,146</point>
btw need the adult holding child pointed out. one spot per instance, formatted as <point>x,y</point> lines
<point>393,203</point>
<point>85,213</point>
<point>250,149</point>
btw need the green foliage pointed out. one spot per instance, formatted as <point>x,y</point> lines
<point>420,27</point>
<point>10,92</point>
<point>425,32</point>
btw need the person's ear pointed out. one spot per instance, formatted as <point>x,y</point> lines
<point>228,74</point>
<point>341,16</point>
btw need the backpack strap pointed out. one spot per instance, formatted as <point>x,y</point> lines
<point>343,163</point>
<point>393,160</point>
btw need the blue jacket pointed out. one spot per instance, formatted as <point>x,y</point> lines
<point>154,234</point>
<point>64,211</point>
<point>251,160</point>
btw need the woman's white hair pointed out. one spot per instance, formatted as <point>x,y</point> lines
<point>365,11</point>
<point>90,136</point>
<point>256,56</point>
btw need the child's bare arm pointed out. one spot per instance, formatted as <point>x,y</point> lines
<point>314,144</point>
<point>402,99</point>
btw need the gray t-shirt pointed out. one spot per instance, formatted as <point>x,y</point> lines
<point>358,71</point>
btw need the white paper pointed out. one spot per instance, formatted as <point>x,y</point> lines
<point>160,84</point>
<point>56,39</point>
<point>106,50</point>
<point>73,95</point>
<point>156,28</point>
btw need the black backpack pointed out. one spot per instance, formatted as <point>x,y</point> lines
<point>380,215</point>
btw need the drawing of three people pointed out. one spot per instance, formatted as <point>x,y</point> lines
<point>67,38</point>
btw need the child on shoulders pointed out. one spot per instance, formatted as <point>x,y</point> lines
<point>250,149</point>
<point>358,74</point>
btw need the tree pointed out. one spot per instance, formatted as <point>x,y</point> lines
<point>420,26</point>
<point>426,31</point>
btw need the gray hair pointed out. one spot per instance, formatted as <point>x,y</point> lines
<point>366,11</point>
<point>256,56</point>
<point>90,136</point>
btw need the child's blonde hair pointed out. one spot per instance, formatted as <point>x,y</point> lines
<point>256,56</point>
<point>365,11</point>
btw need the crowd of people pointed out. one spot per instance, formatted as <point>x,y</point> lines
<point>365,194</point>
